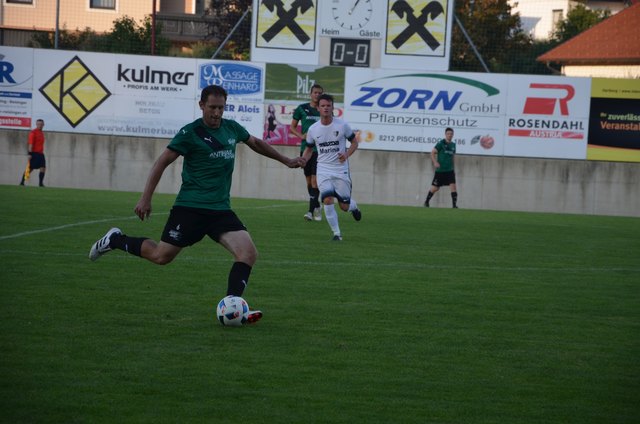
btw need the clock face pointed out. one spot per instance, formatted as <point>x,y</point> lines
<point>352,14</point>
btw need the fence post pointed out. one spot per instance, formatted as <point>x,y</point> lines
<point>230,34</point>
<point>473,46</point>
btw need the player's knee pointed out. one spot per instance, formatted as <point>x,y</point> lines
<point>254,255</point>
<point>161,258</point>
<point>248,255</point>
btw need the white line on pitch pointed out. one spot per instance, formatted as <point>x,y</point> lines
<point>98,221</point>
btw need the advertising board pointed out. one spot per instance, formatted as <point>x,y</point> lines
<point>284,31</point>
<point>409,111</point>
<point>547,116</point>
<point>614,120</point>
<point>244,83</point>
<point>287,86</point>
<point>16,86</point>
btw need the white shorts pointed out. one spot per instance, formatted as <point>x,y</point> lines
<point>335,185</point>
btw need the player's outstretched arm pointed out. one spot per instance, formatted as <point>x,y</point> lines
<point>143,208</point>
<point>265,149</point>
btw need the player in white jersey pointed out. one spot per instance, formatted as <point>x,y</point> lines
<point>330,136</point>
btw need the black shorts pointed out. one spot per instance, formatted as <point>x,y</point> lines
<point>444,178</point>
<point>312,165</point>
<point>187,226</point>
<point>37,161</point>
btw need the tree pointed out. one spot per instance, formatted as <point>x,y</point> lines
<point>129,37</point>
<point>126,36</point>
<point>523,61</point>
<point>227,14</point>
<point>495,32</point>
<point>578,19</point>
<point>67,40</point>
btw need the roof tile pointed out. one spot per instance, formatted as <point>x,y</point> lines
<point>614,40</point>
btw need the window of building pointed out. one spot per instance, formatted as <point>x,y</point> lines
<point>19,1</point>
<point>102,4</point>
<point>556,16</point>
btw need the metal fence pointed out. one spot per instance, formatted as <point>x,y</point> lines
<point>488,35</point>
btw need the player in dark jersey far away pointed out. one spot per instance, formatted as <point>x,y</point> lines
<point>307,114</point>
<point>443,158</point>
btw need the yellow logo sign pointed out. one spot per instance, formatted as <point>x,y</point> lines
<point>75,91</point>
<point>416,27</point>
<point>287,24</point>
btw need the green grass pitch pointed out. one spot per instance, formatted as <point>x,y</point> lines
<point>418,316</point>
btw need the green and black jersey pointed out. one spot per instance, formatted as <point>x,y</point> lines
<point>209,157</point>
<point>306,115</point>
<point>446,151</point>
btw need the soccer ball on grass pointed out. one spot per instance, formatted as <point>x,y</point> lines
<point>232,311</point>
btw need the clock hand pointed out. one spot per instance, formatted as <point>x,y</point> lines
<point>353,7</point>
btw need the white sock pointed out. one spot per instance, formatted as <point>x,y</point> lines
<point>332,218</point>
<point>353,205</point>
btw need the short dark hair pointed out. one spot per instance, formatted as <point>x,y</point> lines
<point>449,129</point>
<point>316,86</point>
<point>213,90</point>
<point>325,96</point>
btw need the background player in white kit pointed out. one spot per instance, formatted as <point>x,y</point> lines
<point>330,136</point>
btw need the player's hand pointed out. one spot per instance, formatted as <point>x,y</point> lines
<point>143,209</point>
<point>342,157</point>
<point>298,162</point>
<point>436,165</point>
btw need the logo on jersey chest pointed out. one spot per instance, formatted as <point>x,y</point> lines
<point>328,143</point>
<point>224,154</point>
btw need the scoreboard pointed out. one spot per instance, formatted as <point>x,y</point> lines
<point>394,34</point>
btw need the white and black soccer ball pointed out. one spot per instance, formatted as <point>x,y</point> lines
<point>232,311</point>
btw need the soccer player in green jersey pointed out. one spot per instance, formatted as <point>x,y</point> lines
<point>443,158</point>
<point>307,114</point>
<point>202,206</point>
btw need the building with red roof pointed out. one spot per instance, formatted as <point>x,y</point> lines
<point>609,49</point>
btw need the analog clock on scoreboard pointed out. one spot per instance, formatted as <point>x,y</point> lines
<point>352,15</point>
